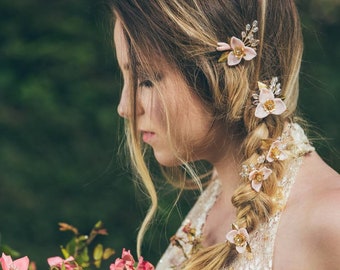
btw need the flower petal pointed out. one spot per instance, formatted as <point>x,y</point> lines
<point>260,112</point>
<point>127,257</point>
<point>278,153</point>
<point>144,265</point>
<point>269,158</point>
<point>250,53</point>
<point>252,174</point>
<point>280,106</point>
<point>266,172</point>
<point>236,43</point>
<point>241,249</point>
<point>6,261</point>
<point>233,60</point>
<point>230,236</point>
<point>69,259</point>
<point>54,261</point>
<point>256,185</point>
<point>244,232</point>
<point>283,156</point>
<point>223,46</point>
<point>265,95</point>
<point>119,264</point>
<point>22,263</point>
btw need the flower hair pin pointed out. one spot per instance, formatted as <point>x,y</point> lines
<point>268,101</point>
<point>240,238</point>
<point>239,49</point>
<point>273,151</point>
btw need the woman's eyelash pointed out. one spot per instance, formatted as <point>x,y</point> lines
<point>146,83</point>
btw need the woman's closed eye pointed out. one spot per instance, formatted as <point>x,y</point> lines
<point>146,83</point>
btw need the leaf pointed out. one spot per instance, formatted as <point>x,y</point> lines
<point>82,238</point>
<point>98,225</point>
<point>97,263</point>
<point>9,251</point>
<point>71,246</point>
<point>84,256</point>
<point>66,254</point>
<point>108,252</point>
<point>223,57</point>
<point>234,226</point>
<point>98,252</point>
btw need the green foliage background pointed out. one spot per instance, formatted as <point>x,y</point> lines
<point>60,133</point>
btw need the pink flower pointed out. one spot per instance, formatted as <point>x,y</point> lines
<point>126,262</point>
<point>268,104</point>
<point>240,238</point>
<point>119,264</point>
<point>276,152</point>
<point>258,176</point>
<point>8,264</point>
<point>144,265</point>
<point>59,262</point>
<point>236,51</point>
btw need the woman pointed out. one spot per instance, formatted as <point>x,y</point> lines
<point>217,81</point>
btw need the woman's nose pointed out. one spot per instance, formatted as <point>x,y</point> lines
<point>125,109</point>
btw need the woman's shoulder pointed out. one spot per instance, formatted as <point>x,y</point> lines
<point>321,211</point>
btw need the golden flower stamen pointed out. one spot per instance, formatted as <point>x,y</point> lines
<point>269,105</point>
<point>239,240</point>
<point>275,153</point>
<point>239,52</point>
<point>259,177</point>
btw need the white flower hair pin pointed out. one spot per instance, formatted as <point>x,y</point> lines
<point>258,176</point>
<point>268,101</point>
<point>240,238</point>
<point>239,49</point>
<point>260,171</point>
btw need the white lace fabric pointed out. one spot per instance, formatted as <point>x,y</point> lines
<point>263,238</point>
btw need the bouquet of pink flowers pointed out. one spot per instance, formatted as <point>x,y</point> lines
<point>76,255</point>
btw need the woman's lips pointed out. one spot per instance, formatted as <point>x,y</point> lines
<point>147,136</point>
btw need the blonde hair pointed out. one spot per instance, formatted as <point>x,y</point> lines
<point>184,33</point>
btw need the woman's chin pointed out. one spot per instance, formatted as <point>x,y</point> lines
<point>166,159</point>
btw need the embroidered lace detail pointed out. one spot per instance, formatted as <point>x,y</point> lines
<point>173,256</point>
<point>262,240</point>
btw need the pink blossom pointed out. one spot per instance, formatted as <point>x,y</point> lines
<point>58,262</point>
<point>268,104</point>
<point>8,264</point>
<point>144,265</point>
<point>119,264</point>
<point>240,238</point>
<point>126,262</point>
<point>276,152</point>
<point>258,176</point>
<point>238,51</point>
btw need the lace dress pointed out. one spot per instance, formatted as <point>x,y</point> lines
<point>263,238</point>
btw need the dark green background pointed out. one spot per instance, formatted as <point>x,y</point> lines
<point>60,133</point>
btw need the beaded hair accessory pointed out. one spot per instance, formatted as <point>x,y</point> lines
<point>291,144</point>
<point>269,100</point>
<point>239,49</point>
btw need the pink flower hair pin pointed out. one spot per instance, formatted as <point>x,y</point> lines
<point>258,176</point>
<point>277,151</point>
<point>268,101</point>
<point>239,49</point>
<point>240,238</point>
